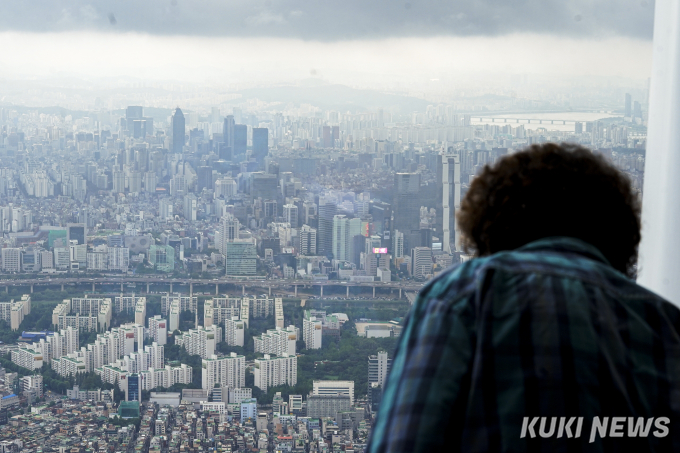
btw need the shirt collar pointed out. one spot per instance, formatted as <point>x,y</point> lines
<point>566,244</point>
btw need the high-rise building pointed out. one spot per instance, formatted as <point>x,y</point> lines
<point>158,329</point>
<point>135,182</point>
<point>204,178</point>
<point>234,330</point>
<point>277,341</point>
<point>241,258</point>
<point>200,341</point>
<point>274,371</point>
<point>378,367</point>
<point>628,107</point>
<point>150,181</point>
<point>327,211</point>
<point>307,236</point>
<point>260,144</point>
<point>229,226</point>
<point>227,371</point>
<point>406,201</point>
<point>240,139</point>
<point>178,131</point>
<point>327,141</point>
<point>118,182</point>
<point>312,330</point>
<point>637,110</point>
<point>190,207</point>
<point>76,232</point>
<point>344,231</point>
<point>398,244</point>
<point>421,262</point>
<point>290,215</point>
<point>448,202</point>
<point>228,131</point>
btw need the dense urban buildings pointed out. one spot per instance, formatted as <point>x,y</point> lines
<point>251,209</point>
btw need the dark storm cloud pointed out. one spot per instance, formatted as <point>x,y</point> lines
<point>331,20</point>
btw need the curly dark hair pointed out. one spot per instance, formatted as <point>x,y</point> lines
<point>552,190</point>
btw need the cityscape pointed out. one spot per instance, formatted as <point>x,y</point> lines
<point>226,265</point>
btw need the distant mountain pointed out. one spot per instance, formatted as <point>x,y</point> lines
<point>337,97</point>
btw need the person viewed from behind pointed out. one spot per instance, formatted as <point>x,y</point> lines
<point>543,338</point>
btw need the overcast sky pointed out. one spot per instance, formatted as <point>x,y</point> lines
<point>326,20</point>
<point>204,39</point>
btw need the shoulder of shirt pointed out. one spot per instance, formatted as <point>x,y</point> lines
<point>461,281</point>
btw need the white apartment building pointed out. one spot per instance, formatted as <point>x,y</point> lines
<point>312,330</point>
<point>140,311</point>
<point>234,331</point>
<point>227,371</point>
<point>184,303</point>
<point>200,341</point>
<point>165,377</point>
<point>277,341</point>
<point>378,367</point>
<point>173,316</point>
<point>13,312</point>
<point>274,371</point>
<point>158,329</point>
<point>278,312</point>
<point>218,309</point>
<point>127,303</point>
<point>28,358</point>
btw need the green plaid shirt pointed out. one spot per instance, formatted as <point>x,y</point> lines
<point>547,330</point>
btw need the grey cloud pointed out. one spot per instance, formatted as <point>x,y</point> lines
<point>332,20</point>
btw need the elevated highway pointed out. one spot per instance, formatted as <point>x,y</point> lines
<point>186,285</point>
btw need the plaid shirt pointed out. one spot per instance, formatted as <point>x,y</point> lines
<point>547,330</point>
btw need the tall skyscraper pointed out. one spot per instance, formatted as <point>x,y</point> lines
<point>260,144</point>
<point>406,201</point>
<point>240,139</point>
<point>178,131</point>
<point>307,241</point>
<point>448,201</point>
<point>290,215</point>
<point>637,110</point>
<point>229,227</point>
<point>228,131</point>
<point>327,137</point>
<point>344,231</point>
<point>629,109</point>
<point>327,210</point>
<point>204,178</point>
<point>421,263</point>
<point>378,367</point>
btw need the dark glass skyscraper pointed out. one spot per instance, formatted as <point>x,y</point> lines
<point>76,232</point>
<point>260,144</point>
<point>327,210</point>
<point>406,202</point>
<point>133,388</point>
<point>240,139</point>
<point>204,178</point>
<point>178,130</point>
<point>228,131</point>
